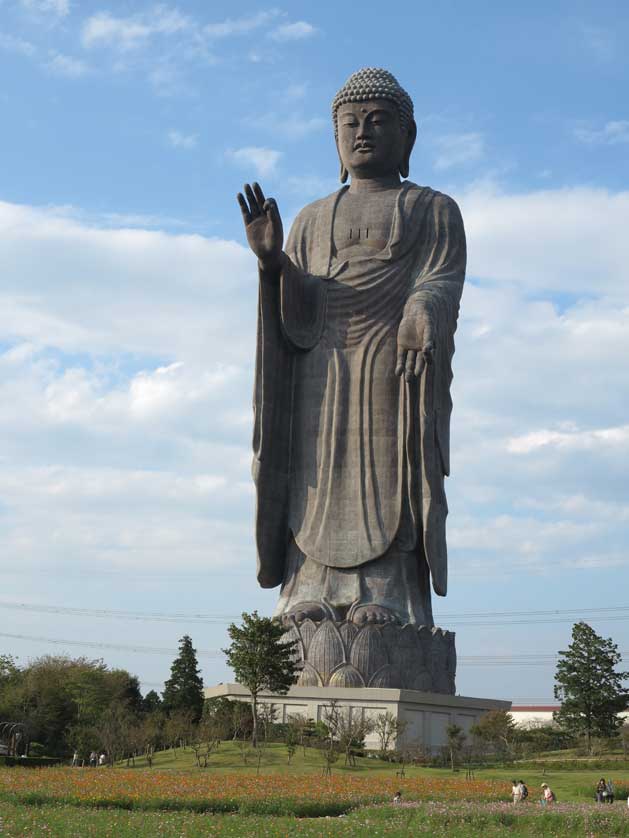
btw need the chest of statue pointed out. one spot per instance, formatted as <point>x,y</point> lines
<point>362,223</point>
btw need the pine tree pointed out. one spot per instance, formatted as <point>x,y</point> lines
<point>261,659</point>
<point>588,686</point>
<point>184,688</point>
<point>151,703</point>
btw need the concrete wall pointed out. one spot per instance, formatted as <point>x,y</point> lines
<point>427,714</point>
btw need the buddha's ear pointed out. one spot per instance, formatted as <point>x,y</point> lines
<point>344,174</point>
<point>405,163</point>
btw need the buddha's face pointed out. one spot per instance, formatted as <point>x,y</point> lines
<point>371,141</point>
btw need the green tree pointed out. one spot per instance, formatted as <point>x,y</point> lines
<point>61,700</point>
<point>589,688</point>
<point>184,688</point>
<point>8,668</point>
<point>456,740</point>
<point>151,703</point>
<point>389,730</point>
<point>497,730</point>
<point>261,659</point>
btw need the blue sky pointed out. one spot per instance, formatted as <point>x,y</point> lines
<point>127,308</point>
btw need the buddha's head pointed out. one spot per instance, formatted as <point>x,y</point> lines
<point>373,125</point>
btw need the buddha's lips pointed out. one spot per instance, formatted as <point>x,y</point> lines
<point>364,147</point>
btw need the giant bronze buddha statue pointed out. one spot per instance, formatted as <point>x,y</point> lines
<point>356,321</point>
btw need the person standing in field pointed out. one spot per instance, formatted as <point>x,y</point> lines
<point>548,796</point>
<point>516,791</point>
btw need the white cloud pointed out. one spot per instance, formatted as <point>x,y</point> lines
<point>573,439</point>
<point>297,31</point>
<point>569,240</point>
<point>128,33</point>
<point>239,26</point>
<point>133,351</point>
<point>459,149</point>
<point>57,8</point>
<point>67,66</point>
<point>10,43</point>
<point>179,140</point>
<point>615,132</point>
<point>263,160</point>
<point>137,279</point>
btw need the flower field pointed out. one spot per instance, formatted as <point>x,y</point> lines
<point>272,794</point>
<point>445,819</point>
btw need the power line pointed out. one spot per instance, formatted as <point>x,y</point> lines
<point>489,618</point>
<point>118,647</point>
<point>466,660</point>
<point>513,618</point>
<point>537,613</point>
<point>101,613</point>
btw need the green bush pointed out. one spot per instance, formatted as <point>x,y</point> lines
<point>29,762</point>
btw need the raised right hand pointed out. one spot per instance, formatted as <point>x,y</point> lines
<point>263,226</point>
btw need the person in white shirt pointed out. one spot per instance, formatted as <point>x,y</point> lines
<point>516,791</point>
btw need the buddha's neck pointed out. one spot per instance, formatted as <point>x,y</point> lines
<point>375,184</point>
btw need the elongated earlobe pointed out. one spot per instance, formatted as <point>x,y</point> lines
<point>405,163</point>
<point>344,174</point>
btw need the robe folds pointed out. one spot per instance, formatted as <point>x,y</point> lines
<point>347,455</point>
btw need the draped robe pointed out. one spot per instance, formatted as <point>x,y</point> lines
<point>347,455</point>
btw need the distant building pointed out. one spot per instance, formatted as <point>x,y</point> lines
<point>535,715</point>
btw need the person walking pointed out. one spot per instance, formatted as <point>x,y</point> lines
<point>93,758</point>
<point>610,791</point>
<point>601,790</point>
<point>516,791</point>
<point>524,792</point>
<point>548,795</point>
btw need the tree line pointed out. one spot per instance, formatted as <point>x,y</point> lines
<point>70,705</point>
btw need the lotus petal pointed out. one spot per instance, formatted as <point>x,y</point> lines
<point>309,677</point>
<point>326,650</point>
<point>307,630</point>
<point>368,653</point>
<point>384,677</point>
<point>348,632</point>
<point>346,676</point>
<point>421,681</point>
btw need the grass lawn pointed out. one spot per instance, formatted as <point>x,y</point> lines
<point>437,821</point>
<point>229,799</point>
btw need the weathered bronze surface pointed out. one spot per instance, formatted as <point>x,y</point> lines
<point>356,321</point>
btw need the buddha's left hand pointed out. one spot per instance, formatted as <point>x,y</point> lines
<point>415,344</point>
